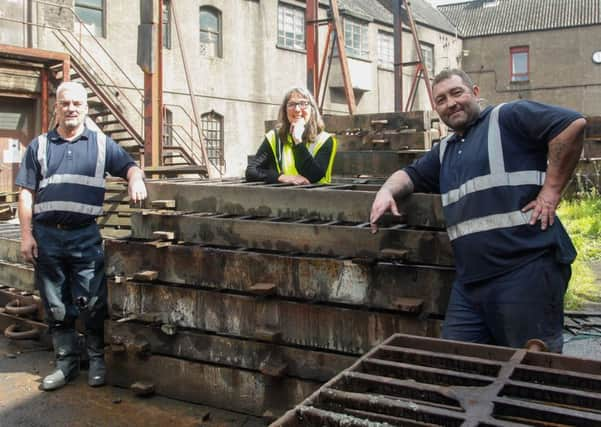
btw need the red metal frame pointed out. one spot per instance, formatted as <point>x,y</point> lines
<point>512,51</point>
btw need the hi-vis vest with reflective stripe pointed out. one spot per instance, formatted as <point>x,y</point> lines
<point>284,157</point>
<point>507,215</point>
<point>94,182</point>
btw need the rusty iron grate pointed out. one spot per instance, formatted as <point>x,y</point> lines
<point>416,381</point>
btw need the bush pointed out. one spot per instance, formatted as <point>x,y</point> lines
<point>582,219</point>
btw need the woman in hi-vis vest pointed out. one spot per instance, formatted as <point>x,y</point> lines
<point>298,151</point>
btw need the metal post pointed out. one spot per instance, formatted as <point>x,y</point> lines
<point>152,106</point>
<point>418,50</point>
<point>346,77</point>
<point>312,41</point>
<point>210,168</point>
<point>398,56</point>
<point>44,99</point>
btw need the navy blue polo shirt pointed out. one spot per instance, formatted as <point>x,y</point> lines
<point>526,128</point>
<point>76,157</point>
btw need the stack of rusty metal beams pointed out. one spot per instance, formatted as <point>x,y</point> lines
<point>417,381</point>
<point>249,296</point>
<point>376,145</point>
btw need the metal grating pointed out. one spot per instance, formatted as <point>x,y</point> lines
<point>416,381</point>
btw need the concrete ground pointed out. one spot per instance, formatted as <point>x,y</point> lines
<point>23,404</point>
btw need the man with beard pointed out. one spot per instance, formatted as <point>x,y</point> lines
<point>500,176</point>
<point>62,180</point>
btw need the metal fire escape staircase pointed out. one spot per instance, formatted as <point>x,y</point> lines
<point>116,103</point>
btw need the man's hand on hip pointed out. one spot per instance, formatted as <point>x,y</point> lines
<point>543,208</point>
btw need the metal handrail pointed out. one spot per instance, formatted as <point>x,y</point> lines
<point>82,24</point>
<point>113,83</point>
<point>181,140</point>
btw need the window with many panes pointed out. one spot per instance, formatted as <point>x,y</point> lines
<point>428,57</point>
<point>210,32</point>
<point>91,13</point>
<point>291,27</point>
<point>212,131</point>
<point>166,24</point>
<point>520,67</point>
<point>385,50</point>
<point>355,38</point>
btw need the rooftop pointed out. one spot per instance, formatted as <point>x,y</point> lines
<point>490,17</point>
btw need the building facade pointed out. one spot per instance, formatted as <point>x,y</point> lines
<point>242,56</point>
<point>542,50</point>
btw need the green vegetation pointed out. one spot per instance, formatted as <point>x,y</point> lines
<point>582,218</point>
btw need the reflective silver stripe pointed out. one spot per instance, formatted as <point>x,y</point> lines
<point>487,223</point>
<point>69,207</point>
<point>89,181</point>
<point>101,157</point>
<point>443,147</point>
<point>485,182</point>
<point>42,146</point>
<point>495,148</point>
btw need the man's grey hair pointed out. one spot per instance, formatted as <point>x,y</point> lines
<point>72,86</point>
<point>448,73</point>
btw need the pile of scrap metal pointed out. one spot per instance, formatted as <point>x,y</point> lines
<point>21,313</point>
<point>248,296</point>
<point>411,381</point>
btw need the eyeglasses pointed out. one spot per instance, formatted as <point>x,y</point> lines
<point>302,104</point>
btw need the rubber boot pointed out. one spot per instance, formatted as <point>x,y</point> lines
<point>66,350</point>
<point>97,368</point>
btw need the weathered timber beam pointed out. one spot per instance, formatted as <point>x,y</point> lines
<point>223,387</point>
<point>347,204</point>
<point>18,276</point>
<point>227,351</point>
<point>376,163</point>
<point>420,247</point>
<point>352,331</point>
<point>375,285</point>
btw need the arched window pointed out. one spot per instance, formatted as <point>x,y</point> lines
<point>210,32</point>
<point>212,130</point>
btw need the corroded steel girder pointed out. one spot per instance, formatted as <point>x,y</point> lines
<point>412,246</point>
<point>317,326</point>
<point>381,285</point>
<point>351,202</point>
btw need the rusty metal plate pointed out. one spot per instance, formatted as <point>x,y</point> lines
<point>219,386</point>
<point>143,340</point>
<point>304,236</point>
<point>318,326</point>
<point>413,381</point>
<point>345,202</point>
<point>374,163</point>
<point>380,285</point>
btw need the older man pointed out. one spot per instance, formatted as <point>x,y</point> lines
<point>500,176</point>
<point>62,180</point>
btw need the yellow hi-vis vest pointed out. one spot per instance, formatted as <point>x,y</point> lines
<point>284,159</point>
